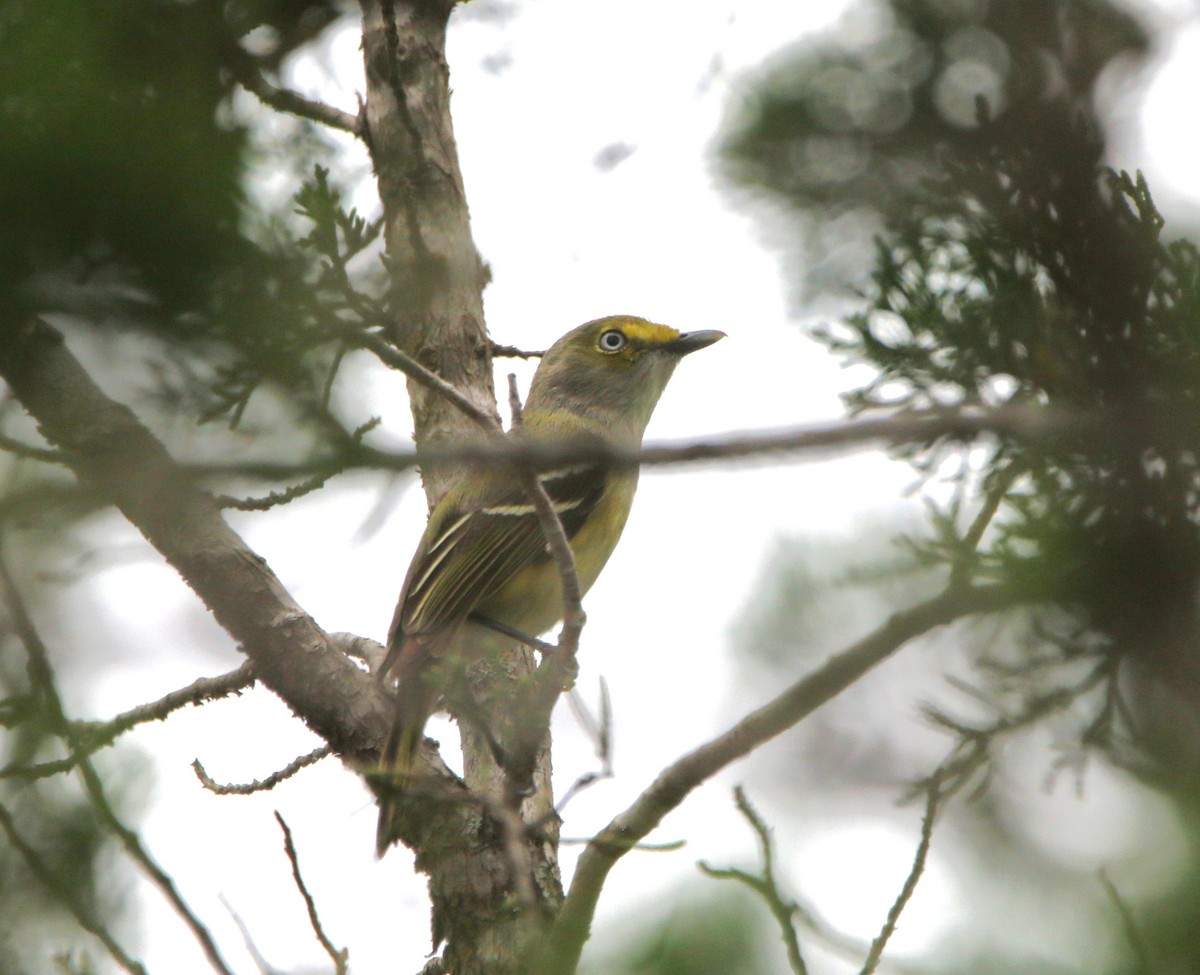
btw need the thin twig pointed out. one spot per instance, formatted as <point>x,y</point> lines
<point>263,785</point>
<point>90,736</point>
<point>401,361</point>
<point>668,846</point>
<point>327,390</point>
<point>933,797</point>
<point>18,448</point>
<point>339,956</point>
<point>512,352</point>
<point>314,482</point>
<point>276,498</point>
<point>198,692</point>
<point>766,885</point>
<point>971,538</point>
<point>64,892</point>
<point>264,966</point>
<point>973,748</point>
<point>600,732</point>
<point>285,100</point>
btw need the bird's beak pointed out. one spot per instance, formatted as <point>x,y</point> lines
<point>691,341</point>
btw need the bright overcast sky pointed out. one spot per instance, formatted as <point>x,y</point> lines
<point>536,97</point>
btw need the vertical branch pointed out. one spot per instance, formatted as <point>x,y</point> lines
<point>437,275</point>
<point>436,305</point>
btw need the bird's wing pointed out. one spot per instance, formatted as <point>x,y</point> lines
<point>473,552</point>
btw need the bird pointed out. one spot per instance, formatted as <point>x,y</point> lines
<point>482,571</point>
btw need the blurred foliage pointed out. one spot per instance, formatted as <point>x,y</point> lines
<point>127,217</point>
<point>865,117</point>
<point>1012,267</point>
<point>720,933</point>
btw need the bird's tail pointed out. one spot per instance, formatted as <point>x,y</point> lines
<point>415,700</point>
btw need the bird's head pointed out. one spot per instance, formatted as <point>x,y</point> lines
<point>612,370</point>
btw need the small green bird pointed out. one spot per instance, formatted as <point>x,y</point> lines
<point>483,558</point>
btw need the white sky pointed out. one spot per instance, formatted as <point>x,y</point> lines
<point>567,243</point>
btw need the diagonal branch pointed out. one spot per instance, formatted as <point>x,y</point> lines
<point>11,445</point>
<point>91,736</point>
<point>565,942</point>
<point>65,893</point>
<point>339,956</point>
<point>114,455</point>
<point>251,78</point>
<point>933,798</point>
<point>395,358</point>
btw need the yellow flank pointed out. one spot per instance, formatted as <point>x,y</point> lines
<point>531,602</point>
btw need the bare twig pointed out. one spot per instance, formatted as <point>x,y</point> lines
<point>275,498</point>
<point>669,846</point>
<point>18,448</point>
<point>263,785</point>
<point>1033,425</point>
<point>765,885</point>
<point>401,361</point>
<point>64,892</point>
<point>264,966</point>
<point>512,352</point>
<point>339,956</point>
<point>198,692</point>
<point>673,784</point>
<point>90,736</point>
<point>285,100</point>
<point>600,732</point>
<point>933,797</point>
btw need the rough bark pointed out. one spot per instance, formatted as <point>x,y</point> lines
<point>115,455</point>
<point>437,282</point>
<point>437,275</point>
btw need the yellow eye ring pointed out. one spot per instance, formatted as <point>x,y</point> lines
<point>613,340</point>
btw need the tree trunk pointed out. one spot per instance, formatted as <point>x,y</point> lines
<point>437,285</point>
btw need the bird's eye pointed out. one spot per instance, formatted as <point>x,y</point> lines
<point>613,341</point>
